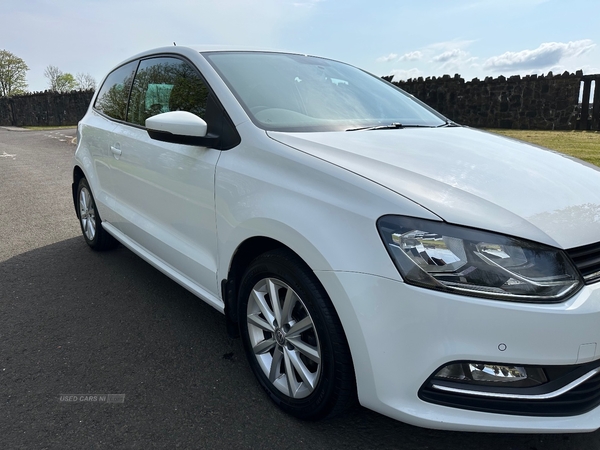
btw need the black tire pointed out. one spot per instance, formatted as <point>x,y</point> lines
<point>320,351</point>
<point>90,221</point>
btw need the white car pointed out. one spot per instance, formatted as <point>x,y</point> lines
<point>361,244</point>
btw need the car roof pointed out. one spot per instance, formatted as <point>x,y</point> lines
<point>231,48</point>
<point>208,48</point>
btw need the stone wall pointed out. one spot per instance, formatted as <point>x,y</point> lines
<point>44,108</point>
<point>546,102</point>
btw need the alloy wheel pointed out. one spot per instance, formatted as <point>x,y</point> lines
<point>283,338</point>
<point>87,213</point>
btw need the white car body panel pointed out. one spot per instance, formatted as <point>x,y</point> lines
<point>94,158</point>
<point>460,174</point>
<point>176,275</point>
<point>400,334</point>
<point>264,188</point>
<point>187,209</point>
<point>164,200</point>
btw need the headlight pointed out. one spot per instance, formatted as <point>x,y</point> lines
<point>467,261</point>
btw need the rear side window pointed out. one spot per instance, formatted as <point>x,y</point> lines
<point>112,98</point>
<point>166,84</point>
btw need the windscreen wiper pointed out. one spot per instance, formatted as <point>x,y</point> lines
<point>391,126</point>
<point>448,123</point>
<point>394,126</point>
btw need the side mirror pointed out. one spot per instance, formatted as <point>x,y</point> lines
<point>180,127</point>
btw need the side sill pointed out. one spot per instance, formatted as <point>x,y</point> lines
<point>158,263</point>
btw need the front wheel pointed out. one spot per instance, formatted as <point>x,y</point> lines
<point>293,337</point>
<point>89,219</point>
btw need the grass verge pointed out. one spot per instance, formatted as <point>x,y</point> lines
<point>66,127</point>
<point>580,144</point>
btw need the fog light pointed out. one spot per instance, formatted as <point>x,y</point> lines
<point>486,374</point>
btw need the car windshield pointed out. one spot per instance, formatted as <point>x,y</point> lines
<point>288,92</point>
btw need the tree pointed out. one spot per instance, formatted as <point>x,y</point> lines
<point>58,81</point>
<point>52,73</point>
<point>65,82</point>
<point>86,82</point>
<point>13,71</point>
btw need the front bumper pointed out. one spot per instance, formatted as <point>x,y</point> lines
<point>400,335</point>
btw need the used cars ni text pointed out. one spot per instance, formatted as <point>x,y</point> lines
<point>361,244</point>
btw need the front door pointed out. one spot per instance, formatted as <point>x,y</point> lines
<point>165,191</point>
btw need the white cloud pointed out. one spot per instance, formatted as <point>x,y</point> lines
<point>389,58</point>
<point>400,74</point>
<point>450,55</point>
<point>411,56</point>
<point>588,69</point>
<point>307,3</point>
<point>450,45</point>
<point>546,55</point>
<point>454,61</point>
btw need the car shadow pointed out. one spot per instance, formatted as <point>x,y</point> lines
<point>77,324</point>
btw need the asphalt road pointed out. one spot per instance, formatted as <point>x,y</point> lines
<point>73,321</point>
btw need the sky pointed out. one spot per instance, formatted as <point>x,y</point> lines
<point>474,38</point>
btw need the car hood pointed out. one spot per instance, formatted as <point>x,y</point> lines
<point>473,178</point>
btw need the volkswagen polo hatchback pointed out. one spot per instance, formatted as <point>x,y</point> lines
<point>361,244</point>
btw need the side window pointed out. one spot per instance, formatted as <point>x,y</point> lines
<point>112,98</point>
<point>166,84</point>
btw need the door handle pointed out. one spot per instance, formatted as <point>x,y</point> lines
<point>116,150</point>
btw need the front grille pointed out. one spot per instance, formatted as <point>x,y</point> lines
<point>587,260</point>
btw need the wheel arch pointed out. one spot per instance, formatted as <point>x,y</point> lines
<point>77,175</point>
<point>333,387</point>
<point>243,255</point>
